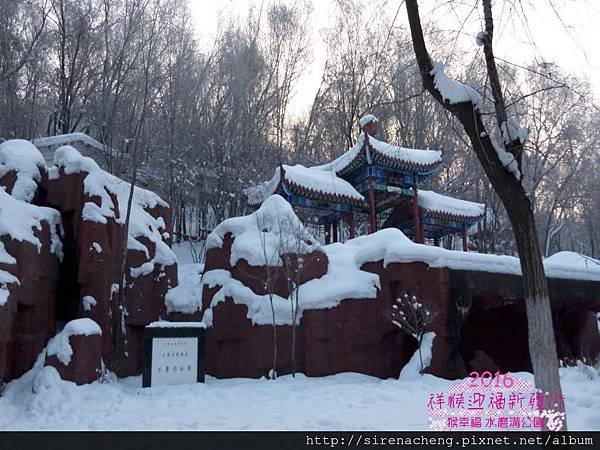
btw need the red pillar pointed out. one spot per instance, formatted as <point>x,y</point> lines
<point>335,231</point>
<point>465,241</point>
<point>419,238</point>
<point>372,205</point>
<point>351,225</point>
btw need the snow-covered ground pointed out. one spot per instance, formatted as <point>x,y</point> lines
<point>41,401</point>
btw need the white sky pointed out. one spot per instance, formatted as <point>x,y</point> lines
<point>571,41</point>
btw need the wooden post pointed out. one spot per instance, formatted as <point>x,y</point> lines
<point>417,216</point>
<point>465,240</point>
<point>335,231</point>
<point>351,225</point>
<point>373,227</point>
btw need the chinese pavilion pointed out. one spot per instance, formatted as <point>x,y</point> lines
<point>377,180</point>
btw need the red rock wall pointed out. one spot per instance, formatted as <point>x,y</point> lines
<point>51,292</point>
<point>490,331</point>
<point>27,318</point>
<point>87,272</point>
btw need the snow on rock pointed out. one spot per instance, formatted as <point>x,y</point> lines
<point>186,297</point>
<point>392,246</point>
<point>19,220</point>
<point>259,306</point>
<point>101,184</point>
<point>23,158</point>
<point>261,237</point>
<point>6,278</point>
<point>88,302</point>
<point>412,370</point>
<point>441,203</point>
<point>3,289</point>
<point>454,91</point>
<point>343,279</point>
<point>59,345</point>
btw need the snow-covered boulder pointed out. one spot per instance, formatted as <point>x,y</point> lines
<point>94,207</point>
<point>76,352</point>
<point>22,167</point>
<point>30,254</point>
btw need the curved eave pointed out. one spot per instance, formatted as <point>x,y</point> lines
<point>444,215</point>
<point>359,160</point>
<point>320,195</point>
<point>409,166</point>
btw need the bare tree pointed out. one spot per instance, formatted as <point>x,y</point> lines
<point>412,317</point>
<point>502,164</point>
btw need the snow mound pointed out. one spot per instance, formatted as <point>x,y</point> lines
<point>26,160</point>
<point>262,246</point>
<point>59,345</point>
<point>19,219</point>
<point>102,185</point>
<point>263,236</point>
<point>186,297</point>
<point>390,245</point>
<point>453,91</point>
<point>574,259</point>
<point>412,370</point>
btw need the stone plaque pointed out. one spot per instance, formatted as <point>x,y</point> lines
<point>174,354</point>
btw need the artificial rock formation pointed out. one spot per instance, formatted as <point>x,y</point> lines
<point>346,296</point>
<point>64,262</point>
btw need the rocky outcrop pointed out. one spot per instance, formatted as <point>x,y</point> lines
<point>64,261</point>
<point>29,265</point>
<point>479,314</point>
<point>76,352</point>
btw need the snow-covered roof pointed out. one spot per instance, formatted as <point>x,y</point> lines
<point>65,139</point>
<point>384,153</point>
<point>407,157</point>
<point>442,205</point>
<point>310,181</point>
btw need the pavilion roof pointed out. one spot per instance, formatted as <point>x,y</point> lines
<point>313,182</point>
<point>444,207</point>
<point>395,157</point>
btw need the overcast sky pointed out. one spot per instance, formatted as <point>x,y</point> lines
<point>567,35</point>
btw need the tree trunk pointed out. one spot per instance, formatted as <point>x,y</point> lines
<point>542,344</point>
